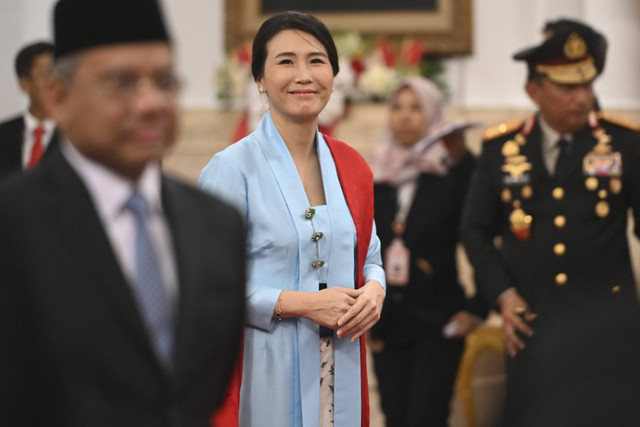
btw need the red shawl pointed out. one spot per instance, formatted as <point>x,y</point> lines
<point>357,185</point>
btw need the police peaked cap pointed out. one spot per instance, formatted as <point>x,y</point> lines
<point>567,56</point>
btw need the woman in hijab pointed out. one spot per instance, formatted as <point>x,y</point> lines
<point>420,183</point>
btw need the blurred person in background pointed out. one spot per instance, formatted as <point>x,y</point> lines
<point>421,180</point>
<point>25,139</point>
<point>557,189</point>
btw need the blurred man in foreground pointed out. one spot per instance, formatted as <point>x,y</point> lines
<point>121,290</point>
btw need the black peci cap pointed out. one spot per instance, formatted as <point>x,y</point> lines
<point>83,24</point>
<point>567,56</point>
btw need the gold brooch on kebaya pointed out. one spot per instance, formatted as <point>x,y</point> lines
<point>315,237</point>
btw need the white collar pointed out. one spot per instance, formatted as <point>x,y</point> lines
<point>109,190</point>
<point>550,136</point>
<point>30,123</point>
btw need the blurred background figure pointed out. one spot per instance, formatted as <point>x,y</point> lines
<point>598,44</point>
<point>557,189</point>
<point>25,138</point>
<point>421,170</point>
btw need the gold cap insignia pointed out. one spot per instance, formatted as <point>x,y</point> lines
<point>574,47</point>
<point>569,74</point>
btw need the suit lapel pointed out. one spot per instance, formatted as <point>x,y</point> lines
<point>72,209</point>
<point>16,146</point>
<point>11,146</point>
<point>53,144</point>
<point>182,242</point>
<point>186,237</point>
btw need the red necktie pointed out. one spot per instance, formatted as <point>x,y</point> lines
<point>38,148</point>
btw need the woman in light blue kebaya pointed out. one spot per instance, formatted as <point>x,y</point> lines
<point>315,279</point>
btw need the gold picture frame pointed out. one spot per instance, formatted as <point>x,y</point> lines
<point>446,31</point>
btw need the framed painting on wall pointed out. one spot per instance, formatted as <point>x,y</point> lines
<point>444,25</point>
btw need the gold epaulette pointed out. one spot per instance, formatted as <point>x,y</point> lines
<point>503,129</point>
<point>618,120</point>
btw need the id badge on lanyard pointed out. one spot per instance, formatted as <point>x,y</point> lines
<point>396,258</point>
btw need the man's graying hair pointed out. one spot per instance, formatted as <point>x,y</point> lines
<point>65,68</point>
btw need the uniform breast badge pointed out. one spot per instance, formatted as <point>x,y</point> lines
<point>516,168</point>
<point>515,164</point>
<point>520,222</point>
<point>601,164</point>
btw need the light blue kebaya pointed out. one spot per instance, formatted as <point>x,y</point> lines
<point>280,385</point>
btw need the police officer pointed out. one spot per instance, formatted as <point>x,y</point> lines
<point>556,189</point>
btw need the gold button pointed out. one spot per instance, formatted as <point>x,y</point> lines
<point>591,183</point>
<point>559,249</point>
<point>602,194</point>
<point>561,279</point>
<point>506,195</point>
<point>615,289</point>
<point>510,148</point>
<point>526,192</point>
<point>616,185</point>
<point>558,193</point>
<point>559,221</point>
<point>602,209</point>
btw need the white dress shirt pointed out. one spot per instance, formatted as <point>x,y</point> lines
<point>550,147</point>
<point>110,193</point>
<point>28,139</point>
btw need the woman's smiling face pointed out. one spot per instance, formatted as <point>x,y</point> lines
<point>297,77</point>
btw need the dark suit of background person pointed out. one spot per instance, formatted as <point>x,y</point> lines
<point>414,363</point>
<point>32,66</point>
<point>11,140</point>
<point>74,347</point>
<point>564,253</point>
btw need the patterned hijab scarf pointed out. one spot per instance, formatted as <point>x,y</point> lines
<point>395,164</point>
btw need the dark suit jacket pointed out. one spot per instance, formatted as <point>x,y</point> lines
<point>566,375</point>
<point>73,348</point>
<point>11,139</point>
<point>433,293</point>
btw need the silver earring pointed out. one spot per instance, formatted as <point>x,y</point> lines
<point>261,90</point>
<point>332,89</point>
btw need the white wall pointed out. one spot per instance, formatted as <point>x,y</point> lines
<point>198,29</point>
<point>196,25</point>
<point>23,22</point>
<point>488,78</point>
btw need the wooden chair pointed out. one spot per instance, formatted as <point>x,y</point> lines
<point>481,340</point>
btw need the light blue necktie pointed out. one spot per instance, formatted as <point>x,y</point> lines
<point>149,286</point>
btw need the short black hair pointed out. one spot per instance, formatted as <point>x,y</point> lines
<point>534,76</point>
<point>291,20</point>
<point>28,54</point>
